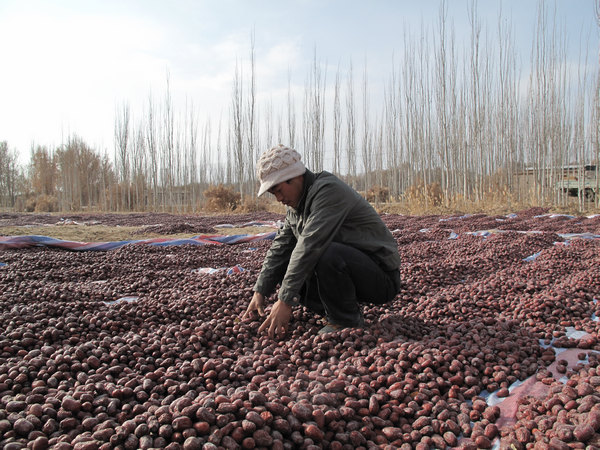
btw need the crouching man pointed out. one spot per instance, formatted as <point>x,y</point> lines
<point>333,253</point>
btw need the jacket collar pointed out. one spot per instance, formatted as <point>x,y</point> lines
<point>309,179</point>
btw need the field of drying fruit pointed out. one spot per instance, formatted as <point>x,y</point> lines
<point>493,341</point>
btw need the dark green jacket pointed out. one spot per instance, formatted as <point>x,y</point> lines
<point>329,211</point>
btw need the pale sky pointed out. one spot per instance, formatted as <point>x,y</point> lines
<point>67,65</point>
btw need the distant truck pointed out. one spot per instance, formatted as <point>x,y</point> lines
<point>571,183</point>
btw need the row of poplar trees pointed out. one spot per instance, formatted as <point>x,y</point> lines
<point>470,120</point>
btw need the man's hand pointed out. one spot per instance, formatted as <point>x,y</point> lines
<point>277,322</point>
<point>256,304</point>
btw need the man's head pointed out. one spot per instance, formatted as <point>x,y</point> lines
<point>280,171</point>
<point>289,192</point>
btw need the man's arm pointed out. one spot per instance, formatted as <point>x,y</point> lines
<point>276,261</point>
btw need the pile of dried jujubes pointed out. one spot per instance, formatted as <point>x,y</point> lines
<point>136,348</point>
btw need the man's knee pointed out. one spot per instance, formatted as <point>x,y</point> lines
<point>331,259</point>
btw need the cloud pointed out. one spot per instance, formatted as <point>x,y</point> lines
<point>67,72</point>
<point>279,58</point>
<point>206,76</point>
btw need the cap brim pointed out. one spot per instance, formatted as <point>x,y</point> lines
<point>264,187</point>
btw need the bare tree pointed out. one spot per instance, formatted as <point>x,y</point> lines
<point>139,170</point>
<point>506,108</point>
<point>314,117</point>
<point>351,129</point>
<point>418,134</point>
<point>107,179</point>
<point>204,172</point>
<point>79,175</point>
<point>251,119</point>
<point>391,140</point>
<point>280,126</point>
<point>268,122</point>
<point>221,174</point>
<point>9,176</point>
<point>547,104</point>
<point>476,114</point>
<point>595,118</point>
<point>367,156</point>
<point>230,164</point>
<point>42,171</point>
<point>377,150</point>
<point>445,87</point>
<point>291,115</point>
<point>238,130</point>
<point>152,150</point>
<point>337,124</point>
<point>167,151</point>
<point>122,131</point>
<point>193,165</point>
<point>408,141</point>
<point>317,113</point>
<point>307,154</point>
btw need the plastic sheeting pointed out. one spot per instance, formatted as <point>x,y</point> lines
<point>16,242</point>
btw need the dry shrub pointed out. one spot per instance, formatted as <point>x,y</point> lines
<point>425,195</point>
<point>255,204</point>
<point>500,199</point>
<point>221,198</point>
<point>20,205</point>
<point>30,204</point>
<point>378,194</point>
<point>46,203</point>
<point>42,203</point>
<point>496,198</point>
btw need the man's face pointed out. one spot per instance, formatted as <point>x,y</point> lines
<point>289,192</point>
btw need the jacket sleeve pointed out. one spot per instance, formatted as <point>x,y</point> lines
<point>328,207</point>
<point>276,261</point>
